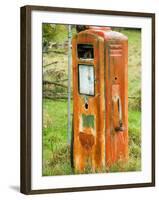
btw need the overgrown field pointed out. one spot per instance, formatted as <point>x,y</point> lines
<point>56,151</point>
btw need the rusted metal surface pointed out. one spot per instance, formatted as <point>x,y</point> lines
<point>116,99</point>
<point>100,119</point>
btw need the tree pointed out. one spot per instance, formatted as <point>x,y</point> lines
<point>48,34</point>
<point>53,33</point>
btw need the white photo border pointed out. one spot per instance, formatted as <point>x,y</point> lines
<point>103,180</point>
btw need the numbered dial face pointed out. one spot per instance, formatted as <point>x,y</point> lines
<point>86,79</point>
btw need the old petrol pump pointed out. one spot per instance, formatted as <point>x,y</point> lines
<point>100,98</point>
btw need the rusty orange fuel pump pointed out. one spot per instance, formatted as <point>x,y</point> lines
<point>100,98</point>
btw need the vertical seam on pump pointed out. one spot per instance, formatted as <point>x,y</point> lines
<point>104,102</point>
<point>109,87</point>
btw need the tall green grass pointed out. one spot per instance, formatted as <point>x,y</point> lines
<point>56,151</point>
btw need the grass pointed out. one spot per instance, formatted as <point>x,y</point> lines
<point>56,152</point>
<point>134,162</point>
<point>134,69</point>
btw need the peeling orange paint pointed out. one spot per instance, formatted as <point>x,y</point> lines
<point>107,141</point>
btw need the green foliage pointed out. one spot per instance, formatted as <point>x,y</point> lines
<point>48,31</point>
<point>56,152</point>
<point>53,33</point>
<point>134,67</point>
